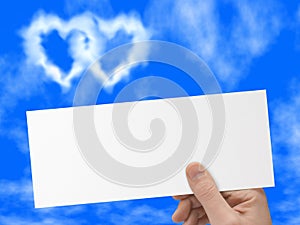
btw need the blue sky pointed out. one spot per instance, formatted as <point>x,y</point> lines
<point>247,44</point>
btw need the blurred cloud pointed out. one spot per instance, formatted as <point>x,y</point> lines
<point>142,214</point>
<point>287,130</point>
<point>296,27</point>
<point>13,220</point>
<point>18,195</point>
<point>21,190</point>
<point>14,82</point>
<point>88,37</point>
<point>18,83</point>
<point>79,6</point>
<point>227,40</point>
<point>286,151</point>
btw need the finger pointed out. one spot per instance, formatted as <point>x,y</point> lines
<point>206,191</point>
<point>234,198</point>
<point>249,198</point>
<point>194,201</point>
<point>180,197</point>
<point>193,217</point>
<point>203,220</point>
<point>226,194</point>
<point>184,207</point>
<point>182,212</point>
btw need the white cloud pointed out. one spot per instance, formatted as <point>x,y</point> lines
<point>134,213</point>
<point>88,36</point>
<point>74,7</point>
<point>15,220</point>
<point>255,26</point>
<point>287,131</point>
<point>200,25</point>
<point>21,189</point>
<point>19,134</point>
<point>286,151</point>
<point>122,70</point>
<point>17,208</point>
<point>19,84</point>
<point>227,46</point>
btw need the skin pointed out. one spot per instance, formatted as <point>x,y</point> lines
<point>209,206</point>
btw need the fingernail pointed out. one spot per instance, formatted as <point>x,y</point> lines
<point>196,171</point>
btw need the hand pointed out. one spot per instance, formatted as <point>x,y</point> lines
<point>208,205</point>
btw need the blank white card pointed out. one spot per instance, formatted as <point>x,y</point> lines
<point>80,157</point>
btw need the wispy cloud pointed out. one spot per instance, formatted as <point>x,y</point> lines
<point>142,214</point>
<point>18,83</point>
<point>88,36</point>
<point>18,195</point>
<point>104,9</point>
<point>297,27</point>
<point>21,190</point>
<point>287,130</point>
<point>17,207</point>
<point>228,43</point>
<point>16,220</point>
<point>286,150</point>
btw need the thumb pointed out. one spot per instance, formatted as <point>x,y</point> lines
<point>207,193</point>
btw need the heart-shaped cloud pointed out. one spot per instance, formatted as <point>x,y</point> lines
<point>87,35</point>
